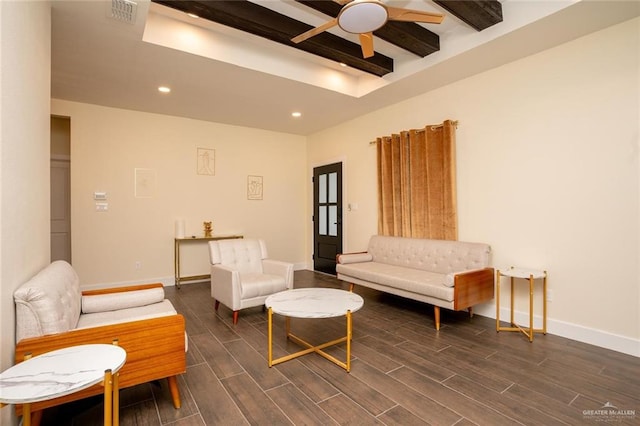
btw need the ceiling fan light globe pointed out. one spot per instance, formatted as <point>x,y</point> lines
<point>362,16</point>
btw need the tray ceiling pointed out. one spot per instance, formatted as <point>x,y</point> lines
<point>262,21</point>
<point>223,74</point>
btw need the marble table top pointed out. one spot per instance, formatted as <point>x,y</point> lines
<point>522,272</point>
<point>314,302</point>
<point>60,372</point>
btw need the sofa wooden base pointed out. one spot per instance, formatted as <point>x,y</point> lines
<point>470,288</point>
<point>155,350</point>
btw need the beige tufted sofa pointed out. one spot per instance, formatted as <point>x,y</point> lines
<point>52,313</point>
<point>449,274</point>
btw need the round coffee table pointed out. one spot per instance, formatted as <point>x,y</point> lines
<point>62,372</point>
<point>312,303</point>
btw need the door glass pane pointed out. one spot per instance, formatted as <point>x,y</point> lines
<point>333,220</point>
<point>333,187</point>
<point>322,220</point>
<point>322,188</point>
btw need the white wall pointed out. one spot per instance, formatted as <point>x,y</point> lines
<point>547,156</point>
<point>25,52</point>
<point>108,144</point>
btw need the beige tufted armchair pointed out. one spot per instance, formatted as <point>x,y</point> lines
<point>242,276</point>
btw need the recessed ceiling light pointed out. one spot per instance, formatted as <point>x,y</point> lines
<point>296,114</point>
<point>342,64</point>
<point>164,89</point>
<point>193,15</point>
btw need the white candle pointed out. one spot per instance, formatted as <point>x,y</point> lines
<point>180,228</point>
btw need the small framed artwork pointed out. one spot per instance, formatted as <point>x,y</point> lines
<point>145,183</point>
<point>206,161</point>
<point>254,188</point>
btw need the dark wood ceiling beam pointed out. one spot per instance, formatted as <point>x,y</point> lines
<point>479,14</point>
<point>407,35</point>
<point>261,21</point>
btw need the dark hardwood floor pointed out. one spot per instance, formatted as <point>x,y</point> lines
<point>403,372</point>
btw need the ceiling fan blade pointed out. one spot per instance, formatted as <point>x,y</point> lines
<point>399,14</point>
<point>315,31</point>
<point>342,2</point>
<point>366,41</point>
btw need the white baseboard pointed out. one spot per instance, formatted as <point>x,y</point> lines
<point>300,266</point>
<point>568,330</point>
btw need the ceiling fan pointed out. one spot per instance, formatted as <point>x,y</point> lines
<point>363,17</point>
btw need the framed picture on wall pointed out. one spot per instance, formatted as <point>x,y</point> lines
<point>254,187</point>
<point>206,161</point>
<point>144,183</point>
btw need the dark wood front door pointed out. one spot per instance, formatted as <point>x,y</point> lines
<point>327,217</point>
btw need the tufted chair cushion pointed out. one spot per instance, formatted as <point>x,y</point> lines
<point>440,256</point>
<point>49,302</point>
<point>242,255</point>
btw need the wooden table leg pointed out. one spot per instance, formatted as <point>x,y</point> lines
<point>349,324</point>
<point>108,398</point>
<point>544,303</point>
<point>512,303</point>
<point>270,336</point>
<point>498,300</point>
<point>26,414</point>
<point>531,308</point>
<point>176,262</point>
<point>116,399</point>
<point>287,326</point>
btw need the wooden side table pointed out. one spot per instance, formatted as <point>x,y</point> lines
<point>63,372</point>
<point>530,275</point>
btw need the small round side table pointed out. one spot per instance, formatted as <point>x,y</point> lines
<point>62,372</point>
<point>530,275</point>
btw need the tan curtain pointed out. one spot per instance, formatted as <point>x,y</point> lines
<point>416,183</point>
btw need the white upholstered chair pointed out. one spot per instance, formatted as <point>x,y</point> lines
<point>242,276</point>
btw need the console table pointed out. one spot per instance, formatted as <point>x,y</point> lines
<point>63,372</point>
<point>188,240</point>
<point>530,275</point>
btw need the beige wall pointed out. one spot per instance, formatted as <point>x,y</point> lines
<point>108,144</point>
<point>547,155</point>
<point>25,54</point>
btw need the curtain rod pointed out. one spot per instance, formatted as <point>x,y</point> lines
<point>433,127</point>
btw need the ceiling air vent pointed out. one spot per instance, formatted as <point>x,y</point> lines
<point>123,10</point>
